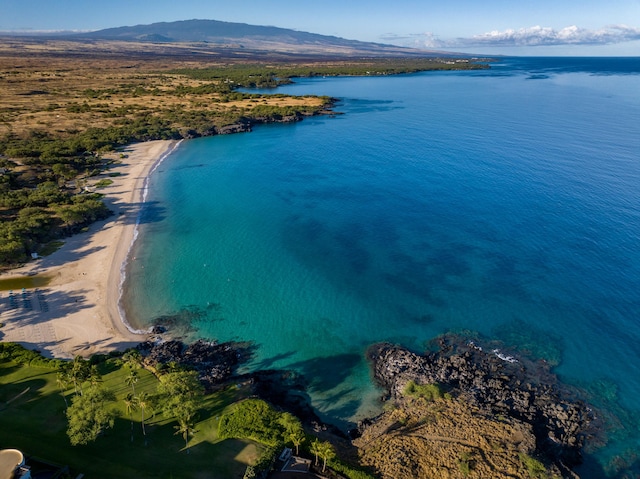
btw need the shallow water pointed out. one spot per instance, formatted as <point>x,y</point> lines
<point>504,202</point>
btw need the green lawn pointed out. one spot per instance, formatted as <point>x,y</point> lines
<point>32,419</point>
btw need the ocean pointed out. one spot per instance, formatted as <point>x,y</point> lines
<point>503,203</point>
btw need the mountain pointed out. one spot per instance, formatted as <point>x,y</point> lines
<point>242,35</point>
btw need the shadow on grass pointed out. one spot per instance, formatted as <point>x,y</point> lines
<point>15,394</point>
<point>36,423</point>
<point>165,455</point>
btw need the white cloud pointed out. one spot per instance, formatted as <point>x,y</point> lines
<point>572,35</point>
<point>417,40</point>
<point>530,37</point>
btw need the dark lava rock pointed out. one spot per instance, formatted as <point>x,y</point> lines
<point>158,329</point>
<point>215,362</point>
<point>498,383</point>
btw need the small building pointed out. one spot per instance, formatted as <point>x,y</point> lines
<point>12,465</point>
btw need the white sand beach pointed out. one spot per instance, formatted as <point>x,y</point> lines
<point>77,313</point>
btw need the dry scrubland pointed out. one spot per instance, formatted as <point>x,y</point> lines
<point>445,438</point>
<point>58,88</point>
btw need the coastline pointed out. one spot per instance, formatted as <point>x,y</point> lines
<point>78,312</point>
<point>128,240</point>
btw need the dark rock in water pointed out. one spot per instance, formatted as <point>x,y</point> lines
<point>498,383</point>
<point>240,127</point>
<point>215,362</point>
<point>158,329</point>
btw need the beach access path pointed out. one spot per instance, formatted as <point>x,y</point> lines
<point>77,313</point>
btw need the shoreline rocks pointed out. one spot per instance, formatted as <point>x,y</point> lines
<point>245,124</point>
<point>498,384</point>
<point>214,362</point>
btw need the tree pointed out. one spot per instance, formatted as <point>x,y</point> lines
<point>297,437</point>
<point>132,358</point>
<point>94,376</point>
<point>70,215</point>
<point>326,452</point>
<point>185,427</point>
<point>88,416</point>
<point>64,172</point>
<point>180,392</point>
<point>77,372</point>
<point>316,449</point>
<point>293,430</point>
<point>63,384</point>
<point>131,379</point>
<point>143,403</point>
<point>131,405</point>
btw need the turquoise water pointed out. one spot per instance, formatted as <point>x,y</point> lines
<point>505,202</point>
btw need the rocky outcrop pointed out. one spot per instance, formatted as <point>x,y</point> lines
<point>245,124</point>
<point>240,127</point>
<point>499,384</point>
<point>215,362</point>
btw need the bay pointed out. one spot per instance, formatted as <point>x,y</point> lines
<point>503,202</point>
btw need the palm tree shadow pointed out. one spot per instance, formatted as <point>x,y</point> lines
<point>30,320</point>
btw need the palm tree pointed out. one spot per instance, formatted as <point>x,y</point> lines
<point>297,437</point>
<point>62,382</point>
<point>184,427</point>
<point>131,404</point>
<point>316,449</point>
<point>131,380</point>
<point>327,452</point>
<point>293,430</point>
<point>94,376</point>
<point>143,403</point>
<point>79,372</point>
<point>132,359</point>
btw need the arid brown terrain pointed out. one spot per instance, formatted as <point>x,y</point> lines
<point>63,87</point>
<point>446,438</point>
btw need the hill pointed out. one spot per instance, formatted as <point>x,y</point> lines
<point>216,34</point>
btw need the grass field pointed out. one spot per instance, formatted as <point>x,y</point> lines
<point>32,419</point>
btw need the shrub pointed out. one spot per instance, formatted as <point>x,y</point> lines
<point>430,392</point>
<point>253,419</point>
<point>534,467</point>
<point>348,471</point>
<point>103,183</point>
<point>21,355</point>
<point>464,464</point>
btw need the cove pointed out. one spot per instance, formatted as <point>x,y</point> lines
<point>501,203</point>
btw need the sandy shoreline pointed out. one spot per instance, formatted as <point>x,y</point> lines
<point>77,313</point>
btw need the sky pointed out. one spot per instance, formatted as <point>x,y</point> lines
<point>508,27</point>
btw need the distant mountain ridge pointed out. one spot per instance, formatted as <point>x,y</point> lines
<point>244,35</point>
<point>210,31</point>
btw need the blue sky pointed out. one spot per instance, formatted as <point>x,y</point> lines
<point>518,27</point>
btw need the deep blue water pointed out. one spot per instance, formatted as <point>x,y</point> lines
<point>505,202</point>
